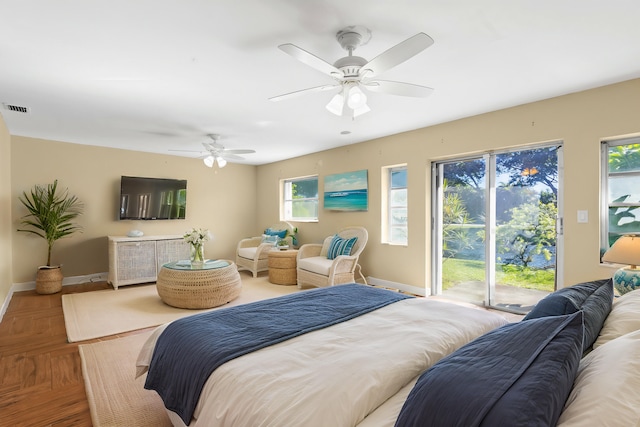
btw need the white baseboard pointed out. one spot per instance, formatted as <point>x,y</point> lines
<point>29,286</point>
<point>395,285</point>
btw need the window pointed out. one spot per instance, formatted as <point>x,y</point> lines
<point>300,199</point>
<point>620,189</point>
<point>396,223</point>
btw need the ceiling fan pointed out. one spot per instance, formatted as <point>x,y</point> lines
<point>216,153</point>
<point>352,73</point>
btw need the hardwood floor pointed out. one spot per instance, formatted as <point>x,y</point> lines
<point>41,380</point>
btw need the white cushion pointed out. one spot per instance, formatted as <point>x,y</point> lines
<point>622,319</point>
<point>316,264</point>
<point>248,253</point>
<point>605,391</point>
<point>325,246</point>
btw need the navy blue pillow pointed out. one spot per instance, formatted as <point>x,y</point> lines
<point>517,375</point>
<point>593,298</point>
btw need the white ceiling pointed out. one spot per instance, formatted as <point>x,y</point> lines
<point>158,75</point>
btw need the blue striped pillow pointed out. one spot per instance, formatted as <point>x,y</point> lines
<point>340,246</point>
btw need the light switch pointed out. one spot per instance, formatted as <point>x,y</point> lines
<point>583,216</point>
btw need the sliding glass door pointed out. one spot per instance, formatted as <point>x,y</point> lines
<point>497,227</point>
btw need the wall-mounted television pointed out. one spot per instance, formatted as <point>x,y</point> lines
<point>152,198</point>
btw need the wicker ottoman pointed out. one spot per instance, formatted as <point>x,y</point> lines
<point>195,288</point>
<point>282,267</point>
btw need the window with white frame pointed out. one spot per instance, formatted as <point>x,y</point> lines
<point>300,199</point>
<point>620,190</point>
<point>397,224</point>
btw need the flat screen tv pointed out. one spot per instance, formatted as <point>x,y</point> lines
<point>152,198</point>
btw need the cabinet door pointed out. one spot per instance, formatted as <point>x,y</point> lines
<point>171,250</point>
<point>136,262</point>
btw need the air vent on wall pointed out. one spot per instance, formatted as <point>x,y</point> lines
<point>16,108</point>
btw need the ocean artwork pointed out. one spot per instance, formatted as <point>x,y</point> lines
<point>346,191</point>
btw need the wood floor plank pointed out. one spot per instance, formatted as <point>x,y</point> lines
<point>66,370</point>
<point>10,369</point>
<point>41,382</point>
<point>37,370</point>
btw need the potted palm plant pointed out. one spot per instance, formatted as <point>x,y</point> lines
<point>51,216</point>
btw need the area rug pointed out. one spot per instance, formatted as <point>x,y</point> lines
<point>115,397</point>
<point>97,314</point>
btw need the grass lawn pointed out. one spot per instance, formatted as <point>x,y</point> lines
<point>456,271</point>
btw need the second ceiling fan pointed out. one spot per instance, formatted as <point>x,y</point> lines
<point>352,73</point>
<point>217,154</point>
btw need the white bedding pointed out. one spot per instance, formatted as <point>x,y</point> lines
<point>339,375</point>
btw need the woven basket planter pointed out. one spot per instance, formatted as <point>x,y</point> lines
<point>49,280</point>
<point>197,289</point>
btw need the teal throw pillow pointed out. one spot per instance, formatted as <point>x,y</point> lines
<point>340,246</point>
<point>280,233</point>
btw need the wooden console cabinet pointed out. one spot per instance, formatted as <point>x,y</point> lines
<point>138,259</point>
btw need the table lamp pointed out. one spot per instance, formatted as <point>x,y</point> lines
<point>625,250</point>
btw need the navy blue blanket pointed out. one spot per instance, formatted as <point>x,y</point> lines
<point>190,349</point>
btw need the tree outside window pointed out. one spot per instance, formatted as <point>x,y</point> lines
<point>621,188</point>
<point>300,201</point>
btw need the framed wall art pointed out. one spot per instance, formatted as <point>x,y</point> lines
<point>346,191</point>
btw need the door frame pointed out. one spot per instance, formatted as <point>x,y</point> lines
<point>436,226</point>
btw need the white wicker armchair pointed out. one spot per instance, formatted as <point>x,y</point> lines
<point>314,268</point>
<point>251,253</point>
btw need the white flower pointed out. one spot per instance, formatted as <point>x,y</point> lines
<point>197,236</point>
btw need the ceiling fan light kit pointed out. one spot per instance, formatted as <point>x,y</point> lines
<point>216,153</point>
<point>352,73</point>
<point>336,105</point>
<point>209,160</point>
<point>355,99</point>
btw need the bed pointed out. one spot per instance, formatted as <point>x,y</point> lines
<point>335,375</point>
<point>374,369</point>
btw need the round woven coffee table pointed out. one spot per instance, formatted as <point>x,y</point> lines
<point>206,285</point>
<point>282,266</point>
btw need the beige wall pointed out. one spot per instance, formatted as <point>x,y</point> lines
<point>5,211</point>
<point>241,200</point>
<point>224,201</point>
<point>580,120</point>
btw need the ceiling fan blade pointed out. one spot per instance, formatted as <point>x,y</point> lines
<point>398,88</point>
<point>396,55</point>
<point>310,59</point>
<point>241,151</point>
<point>302,92</point>
<point>187,151</point>
<point>228,156</point>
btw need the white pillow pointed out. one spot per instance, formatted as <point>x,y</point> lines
<point>269,239</point>
<point>325,246</point>
<point>607,386</point>
<point>623,318</point>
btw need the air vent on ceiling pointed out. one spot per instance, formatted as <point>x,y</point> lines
<point>16,108</point>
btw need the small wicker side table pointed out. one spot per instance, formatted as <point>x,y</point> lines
<point>209,285</point>
<point>282,266</point>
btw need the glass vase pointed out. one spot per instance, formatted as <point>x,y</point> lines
<point>197,253</point>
